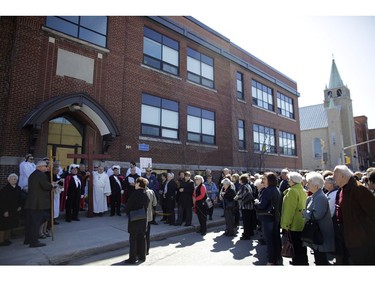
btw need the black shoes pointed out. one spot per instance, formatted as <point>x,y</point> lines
<point>153,222</point>
<point>129,261</point>
<point>36,245</point>
<point>56,222</point>
<point>245,238</point>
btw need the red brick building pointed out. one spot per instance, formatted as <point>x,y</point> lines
<point>362,136</point>
<point>166,88</point>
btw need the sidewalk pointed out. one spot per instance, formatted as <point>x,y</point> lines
<point>89,236</point>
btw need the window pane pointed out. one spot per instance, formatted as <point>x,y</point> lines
<point>193,65</point>
<point>155,36</point>
<point>152,62</point>
<point>208,139</point>
<point>194,137</point>
<point>195,111</point>
<point>151,100</point>
<point>193,77</point>
<point>98,24</point>
<point>207,71</point>
<point>239,85</point>
<point>240,134</point>
<point>152,48</point>
<point>170,43</point>
<point>92,37</point>
<point>171,134</point>
<point>208,127</point>
<point>170,56</point>
<point>208,114</point>
<point>150,131</point>
<point>62,26</point>
<point>73,19</point>
<point>169,119</point>
<point>194,124</point>
<point>168,104</point>
<point>150,115</point>
<point>193,54</point>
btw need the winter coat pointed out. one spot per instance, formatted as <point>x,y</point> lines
<point>294,202</point>
<point>317,205</point>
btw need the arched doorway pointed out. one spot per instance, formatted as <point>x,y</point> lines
<point>64,138</point>
<point>84,113</point>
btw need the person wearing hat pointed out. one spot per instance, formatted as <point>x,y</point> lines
<point>117,189</point>
<point>72,194</point>
<point>294,202</point>
<point>38,204</point>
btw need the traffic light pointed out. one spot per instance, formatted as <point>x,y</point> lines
<point>347,160</point>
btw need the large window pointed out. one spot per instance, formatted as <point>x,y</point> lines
<point>317,148</point>
<point>88,28</point>
<point>287,143</point>
<point>285,106</point>
<point>262,95</point>
<point>200,125</point>
<point>159,117</point>
<point>200,68</point>
<point>160,51</point>
<point>264,139</point>
<point>240,94</point>
<point>241,134</point>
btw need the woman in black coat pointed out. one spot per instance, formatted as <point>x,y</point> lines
<point>137,228</point>
<point>10,205</point>
<point>227,195</point>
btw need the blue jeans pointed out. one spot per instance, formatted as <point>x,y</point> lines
<point>271,233</point>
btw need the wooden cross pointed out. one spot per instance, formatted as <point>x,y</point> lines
<point>90,156</point>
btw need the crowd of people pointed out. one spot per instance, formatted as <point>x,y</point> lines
<point>271,203</point>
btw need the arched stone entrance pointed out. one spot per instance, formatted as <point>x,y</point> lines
<point>78,114</point>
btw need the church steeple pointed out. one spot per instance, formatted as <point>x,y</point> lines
<point>335,79</point>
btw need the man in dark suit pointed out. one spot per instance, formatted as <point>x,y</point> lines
<point>185,200</point>
<point>117,188</point>
<point>38,204</point>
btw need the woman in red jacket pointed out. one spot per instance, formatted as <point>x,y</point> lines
<point>199,201</point>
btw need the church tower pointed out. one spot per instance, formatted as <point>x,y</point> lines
<point>341,128</point>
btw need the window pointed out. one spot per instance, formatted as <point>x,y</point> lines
<point>264,139</point>
<point>240,94</point>
<point>88,28</point>
<point>160,51</point>
<point>200,68</point>
<point>317,148</point>
<point>241,134</point>
<point>287,143</point>
<point>200,125</point>
<point>285,106</point>
<point>159,117</point>
<point>262,95</point>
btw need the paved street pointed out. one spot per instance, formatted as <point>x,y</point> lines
<point>192,249</point>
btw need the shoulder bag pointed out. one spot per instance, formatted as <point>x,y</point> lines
<point>139,214</point>
<point>287,249</point>
<point>311,233</point>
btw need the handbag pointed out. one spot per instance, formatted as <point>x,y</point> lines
<point>287,249</point>
<point>311,233</point>
<point>139,214</point>
<point>209,203</point>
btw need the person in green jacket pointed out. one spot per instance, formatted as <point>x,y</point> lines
<point>294,202</point>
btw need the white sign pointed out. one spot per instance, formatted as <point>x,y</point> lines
<point>145,163</point>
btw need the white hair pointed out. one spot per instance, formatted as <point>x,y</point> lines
<point>200,178</point>
<point>258,182</point>
<point>226,182</point>
<point>13,175</point>
<point>295,177</point>
<point>344,170</point>
<point>316,179</point>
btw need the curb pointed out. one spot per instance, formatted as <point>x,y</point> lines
<point>65,259</point>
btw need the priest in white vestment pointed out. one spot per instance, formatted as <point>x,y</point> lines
<point>101,189</point>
